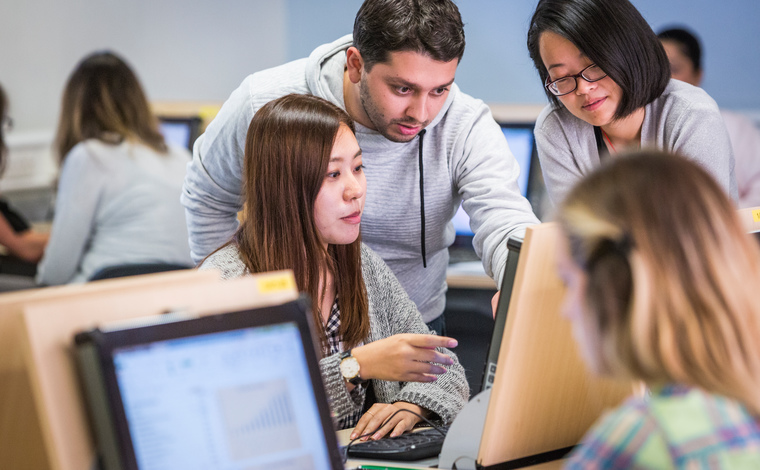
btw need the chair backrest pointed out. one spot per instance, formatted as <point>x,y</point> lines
<point>124,270</point>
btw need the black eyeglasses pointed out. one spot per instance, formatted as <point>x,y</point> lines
<point>565,85</point>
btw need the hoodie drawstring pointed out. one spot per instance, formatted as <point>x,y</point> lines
<point>422,202</point>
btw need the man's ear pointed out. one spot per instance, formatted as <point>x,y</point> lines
<point>354,64</point>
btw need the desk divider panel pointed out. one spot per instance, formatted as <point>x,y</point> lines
<point>21,440</point>
<point>750,218</point>
<point>48,325</point>
<point>543,397</point>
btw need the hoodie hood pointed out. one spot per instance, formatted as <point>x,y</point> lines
<point>324,70</point>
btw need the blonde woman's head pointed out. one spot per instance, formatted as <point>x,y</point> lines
<point>661,277</point>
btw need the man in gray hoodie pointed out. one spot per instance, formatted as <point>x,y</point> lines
<point>426,146</point>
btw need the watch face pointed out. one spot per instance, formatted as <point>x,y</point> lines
<point>349,367</point>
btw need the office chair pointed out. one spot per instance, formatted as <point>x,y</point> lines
<point>124,270</point>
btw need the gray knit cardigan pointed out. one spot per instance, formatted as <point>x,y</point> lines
<point>391,312</point>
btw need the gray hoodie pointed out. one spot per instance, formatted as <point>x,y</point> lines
<point>465,158</point>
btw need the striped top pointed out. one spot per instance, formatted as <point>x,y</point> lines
<point>676,428</point>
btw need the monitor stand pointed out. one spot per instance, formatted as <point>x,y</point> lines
<point>463,438</point>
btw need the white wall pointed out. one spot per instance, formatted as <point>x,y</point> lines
<point>180,49</point>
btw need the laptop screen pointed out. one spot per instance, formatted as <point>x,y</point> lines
<point>199,395</point>
<point>222,400</point>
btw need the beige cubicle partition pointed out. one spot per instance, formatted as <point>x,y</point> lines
<point>750,218</point>
<point>47,325</point>
<point>21,441</point>
<point>543,397</point>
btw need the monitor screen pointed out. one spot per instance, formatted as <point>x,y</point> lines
<point>230,399</point>
<point>521,143</point>
<point>180,132</point>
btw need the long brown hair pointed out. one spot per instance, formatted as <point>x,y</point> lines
<point>672,275</point>
<point>103,99</point>
<point>287,152</point>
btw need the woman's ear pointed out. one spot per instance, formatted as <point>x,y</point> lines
<point>354,64</point>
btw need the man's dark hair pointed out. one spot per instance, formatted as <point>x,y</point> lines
<point>614,35</point>
<point>687,42</point>
<point>430,27</point>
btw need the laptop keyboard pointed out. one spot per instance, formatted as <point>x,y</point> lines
<point>410,446</point>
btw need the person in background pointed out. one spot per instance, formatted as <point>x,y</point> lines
<point>118,193</point>
<point>304,202</point>
<point>685,56</point>
<point>16,234</point>
<point>608,82</point>
<point>427,146</point>
<point>661,288</point>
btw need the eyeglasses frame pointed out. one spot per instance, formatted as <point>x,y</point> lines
<point>575,77</point>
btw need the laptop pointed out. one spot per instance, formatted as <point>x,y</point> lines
<point>239,390</point>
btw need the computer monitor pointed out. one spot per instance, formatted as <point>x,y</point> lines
<point>238,390</point>
<point>180,131</point>
<point>514,245</point>
<point>523,146</point>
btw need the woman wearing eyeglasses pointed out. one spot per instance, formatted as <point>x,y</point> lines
<point>608,80</point>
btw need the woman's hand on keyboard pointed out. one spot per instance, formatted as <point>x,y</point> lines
<point>399,424</point>
<point>404,358</point>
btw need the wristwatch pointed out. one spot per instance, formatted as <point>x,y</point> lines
<point>349,368</point>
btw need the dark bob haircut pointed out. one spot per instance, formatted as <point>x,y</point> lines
<point>430,27</point>
<point>614,35</point>
<point>687,43</point>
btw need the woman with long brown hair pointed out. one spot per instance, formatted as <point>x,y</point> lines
<point>304,197</point>
<point>118,193</point>
<point>662,284</point>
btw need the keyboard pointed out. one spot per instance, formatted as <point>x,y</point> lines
<point>410,446</point>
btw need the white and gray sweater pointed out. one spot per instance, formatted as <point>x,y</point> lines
<point>391,312</point>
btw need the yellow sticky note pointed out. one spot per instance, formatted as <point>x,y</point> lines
<point>276,283</point>
<point>756,215</point>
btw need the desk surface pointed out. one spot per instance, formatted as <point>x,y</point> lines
<point>468,275</point>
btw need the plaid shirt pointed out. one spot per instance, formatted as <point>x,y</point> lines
<point>677,427</point>
<point>332,331</point>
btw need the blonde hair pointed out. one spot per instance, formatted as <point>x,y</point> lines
<point>103,100</point>
<point>671,275</point>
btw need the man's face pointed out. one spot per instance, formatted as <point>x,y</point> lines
<point>401,96</point>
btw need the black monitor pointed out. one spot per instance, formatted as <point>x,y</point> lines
<point>180,131</point>
<point>514,245</point>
